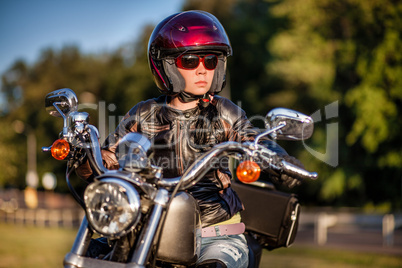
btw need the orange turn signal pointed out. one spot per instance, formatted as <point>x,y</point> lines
<point>248,171</point>
<point>60,149</point>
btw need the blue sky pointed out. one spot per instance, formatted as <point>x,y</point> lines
<point>29,26</point>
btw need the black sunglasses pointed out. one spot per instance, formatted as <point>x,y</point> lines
<point>192,61</point>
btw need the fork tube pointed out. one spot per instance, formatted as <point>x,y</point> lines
<point>146,240</point>
<point>82,239</point>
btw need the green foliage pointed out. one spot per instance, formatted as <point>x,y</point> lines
<point>307,54</point>
<point>372,125</point>
<point>304,55</point>
<point>108,85</point>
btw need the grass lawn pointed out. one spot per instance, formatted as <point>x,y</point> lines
<point>22,246</point>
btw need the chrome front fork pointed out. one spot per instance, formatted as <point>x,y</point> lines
<point>76,257</point>
<point>147,236</point>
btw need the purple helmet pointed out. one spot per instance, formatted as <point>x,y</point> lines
<point>195,31</point>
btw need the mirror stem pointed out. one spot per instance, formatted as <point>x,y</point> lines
<point>257,139</point>
<point>65,127</point>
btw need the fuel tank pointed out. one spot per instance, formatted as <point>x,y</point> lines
<point>181,235</point>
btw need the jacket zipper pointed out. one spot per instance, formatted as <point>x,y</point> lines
<point>179,156</point>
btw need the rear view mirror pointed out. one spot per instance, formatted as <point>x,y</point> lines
<point>61,102</point>
<point>293,125</point>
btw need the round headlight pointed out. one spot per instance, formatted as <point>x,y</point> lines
<point>112,207</point>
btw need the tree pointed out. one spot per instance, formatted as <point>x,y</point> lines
<point>311,56</point>
<point>307,55</point>
<point>351,52</point>
<point>107,85</point>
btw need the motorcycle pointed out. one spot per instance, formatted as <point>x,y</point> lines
<point>146,220</point>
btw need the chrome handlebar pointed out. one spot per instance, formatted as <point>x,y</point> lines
<point>203,164</point>
<point>296,172</point>
<point>95,150</point>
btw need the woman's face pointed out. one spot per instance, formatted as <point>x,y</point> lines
<point>198,80</point>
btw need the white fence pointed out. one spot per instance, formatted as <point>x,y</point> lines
<point>69,218</point>
<point>323,221</point>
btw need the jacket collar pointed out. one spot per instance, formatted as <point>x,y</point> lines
<point>171,114</point>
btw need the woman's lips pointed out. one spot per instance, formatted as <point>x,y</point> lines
<point>201,83</point>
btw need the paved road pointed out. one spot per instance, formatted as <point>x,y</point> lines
<point>363,240</point>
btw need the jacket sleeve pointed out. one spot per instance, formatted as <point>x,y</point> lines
<point>128,124</point>
<point>239,128</point>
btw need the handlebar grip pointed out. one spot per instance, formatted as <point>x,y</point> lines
<point>297,172</point>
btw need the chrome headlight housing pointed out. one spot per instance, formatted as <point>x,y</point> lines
<point>112,207</point>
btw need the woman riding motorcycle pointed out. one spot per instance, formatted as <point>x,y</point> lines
<point>187,56</point>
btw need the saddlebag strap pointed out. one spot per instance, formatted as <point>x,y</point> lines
<point>226,229</point>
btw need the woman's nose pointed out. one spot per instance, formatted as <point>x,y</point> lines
<point>201,68</point>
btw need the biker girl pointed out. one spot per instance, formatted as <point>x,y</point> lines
<point>187,56</point>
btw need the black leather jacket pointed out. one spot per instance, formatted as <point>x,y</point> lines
<point>171,132</point>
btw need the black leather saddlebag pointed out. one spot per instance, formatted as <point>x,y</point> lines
<point>270,216</point>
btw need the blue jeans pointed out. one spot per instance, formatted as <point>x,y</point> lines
<point>230,249</point>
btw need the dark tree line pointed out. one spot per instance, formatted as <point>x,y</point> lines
<point>340,60</point>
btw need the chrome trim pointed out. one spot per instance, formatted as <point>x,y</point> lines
<point>64,97</point>
<point>298,126</point>
<point>146,239</point>
<point>269,131</point>
<point>133,199</point>
<point>293,219</point>
<point>297,172</point>
<point>82,239</point>
<point>198,169</point>
<point>96,149</point>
